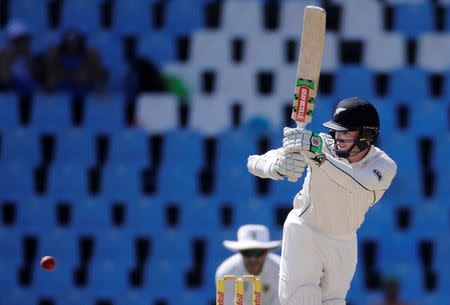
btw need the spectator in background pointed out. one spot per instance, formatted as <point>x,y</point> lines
<point>143,76</point>
<point>19,67</point>
<point>253,257</point>
<point>391,290</point>
<point>73,66</point>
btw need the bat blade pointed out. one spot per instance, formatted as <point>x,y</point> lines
<point>309,62</point>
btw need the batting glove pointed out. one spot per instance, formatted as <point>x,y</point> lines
<point>302,140</point>
<point>290,165</point>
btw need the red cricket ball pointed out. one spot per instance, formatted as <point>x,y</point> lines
<point>48,263</point>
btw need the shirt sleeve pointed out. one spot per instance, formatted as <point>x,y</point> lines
<point>376,175</point>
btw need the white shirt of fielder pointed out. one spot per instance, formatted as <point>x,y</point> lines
<point>234,265</point>
<point>253,258</point>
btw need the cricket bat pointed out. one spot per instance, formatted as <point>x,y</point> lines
<point>309,62</point>
<point>308,66</point>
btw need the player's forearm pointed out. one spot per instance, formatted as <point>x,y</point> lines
<point>377,178</point>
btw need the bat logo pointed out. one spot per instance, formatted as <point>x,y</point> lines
<point>303,98</point>
<point>315,141</point>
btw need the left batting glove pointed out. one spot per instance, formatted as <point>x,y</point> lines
<point>290,165</point>
<point>302,140</point>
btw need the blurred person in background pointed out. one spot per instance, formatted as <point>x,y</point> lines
<point>143,76</point>
<point>391,291</point>
<point>20,69</point>
<point>253,257</point>
<point>73,66</point>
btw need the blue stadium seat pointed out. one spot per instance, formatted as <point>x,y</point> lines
<point>255,210</point>
<point>86,10</point>
<point>135,297</point>
<point>434,298</point>
<point>409,275</point>
<point>16,180</point>
<point>423,113</point>
<point>284,191</point>
<point>234,182</point>
<point>46,39</point>
<point>104,115</point>
<point>388,117</point>
<point>183,17</point>
<point>164,276</point>
<point>21,145</point>
<point>11,244</point>
<point>200,216</point>
<point>90,211</point>
<point>442,264</point>
<point>116,245</point>
<point>322,113</point>
<point>158,47</point>
<point>109,46</point>
<point>442,148</point>
<point>9,111</point>
<point>75,146</point>
<point>353,81</point>
<point>32,13</point>
<point>446,85</point>
<point>8,274</point>
<point>379,220</point>
<point>15,295</point>
<point>178,182</point>
<point>430,220</point>
<point>62,245</point>
<point>164,271</point>
<point>183,147</point>
<point>130,146</point>
<point>171,253</point>
<point>408,85</point>
<point>399,248</point>
<point>139,11</point>
<point>51,112</point>
<point>120,181</point>
<point>196,296</point>
<point>36,215</point>
<point>412,19</point>
<point>403,148</point>
<point>144,211</point>
<point>234,147</point>
<point>108,278</point>
<point>68,180</point>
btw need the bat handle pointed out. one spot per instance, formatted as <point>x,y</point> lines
<point>301,125</point>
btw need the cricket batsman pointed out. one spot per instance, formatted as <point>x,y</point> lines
<point>346,175</point>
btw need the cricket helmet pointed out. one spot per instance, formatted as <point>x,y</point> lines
<point>356,114</point>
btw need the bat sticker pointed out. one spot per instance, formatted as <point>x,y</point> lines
<point>303,98</point>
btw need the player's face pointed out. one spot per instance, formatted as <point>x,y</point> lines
<point>254,260</point>
<point>345,139</point>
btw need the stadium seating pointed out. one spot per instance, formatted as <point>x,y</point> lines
<point>9,112</point>
<point>75,172</point>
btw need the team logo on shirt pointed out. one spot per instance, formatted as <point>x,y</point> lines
<point>378,174</point>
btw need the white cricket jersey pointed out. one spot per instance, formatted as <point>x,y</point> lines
<point>336,195</point>
<point>234,265</point>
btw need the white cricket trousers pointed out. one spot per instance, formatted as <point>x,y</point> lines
<point>315,269</point>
